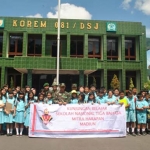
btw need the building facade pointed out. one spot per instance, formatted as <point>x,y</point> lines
<point>91,51</point>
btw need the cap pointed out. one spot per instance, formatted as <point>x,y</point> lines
<point>73,91</point>
<point>74,85</point>
<point>46,84</point>
<point>62,84</point>
<point>54,84</point>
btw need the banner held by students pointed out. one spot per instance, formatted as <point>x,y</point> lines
<point>77,121</point>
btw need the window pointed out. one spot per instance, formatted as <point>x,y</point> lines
<point>1,44</point>
<point>51,45</point>
<point>112,48</point>
<point>94,47</point>
<point>34,45</point>
<point>130,53</point>
<point>76,46</point>
<point>15,45</point>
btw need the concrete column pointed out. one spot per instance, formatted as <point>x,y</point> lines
<point>81,77</point>
<point>85,52</point>
<point>123,47</point>
<point>5,44</point>
<point>104,47</point>
<point>3,72</point>
<point>105,78</point>
<point>124,79</point>
<point>43,44</point>
<point>68,44</point>
<point>29,77</point>
<point>25,44</point>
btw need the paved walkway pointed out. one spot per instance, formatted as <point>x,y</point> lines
<point>25,143</point>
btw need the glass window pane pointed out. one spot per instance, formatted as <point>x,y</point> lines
<point>90,48</point>
<point>79,47</point>
<point>112,48</point>
<point>73,48</point>
<point>34,44</point>
<point>15,43</point>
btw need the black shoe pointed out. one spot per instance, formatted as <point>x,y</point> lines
<point>144,133</point>
<point>133,134</point>
<point>128,133</point>
<point>10,134</point>
<point>138,133</point>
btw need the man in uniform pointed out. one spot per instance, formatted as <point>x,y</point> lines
<point>46,88</point>
<point>54,91</point>
<point>62,97</point>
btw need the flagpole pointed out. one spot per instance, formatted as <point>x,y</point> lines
<point>58,43</point>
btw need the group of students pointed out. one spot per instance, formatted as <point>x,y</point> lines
<point>137,106</point>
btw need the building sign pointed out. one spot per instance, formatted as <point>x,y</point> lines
<point>1,23</point>
<point>63,24</point>
<point>111,27</point>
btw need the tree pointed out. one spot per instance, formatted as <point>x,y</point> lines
<point>115,82</point>
<point>94,81</point>
<point>131,86</point>
<point>147,85</point>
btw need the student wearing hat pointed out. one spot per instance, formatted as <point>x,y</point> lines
<point>62,97</point>
<point>46,88</point>
<point>74,86</point>
<point>74,97</point>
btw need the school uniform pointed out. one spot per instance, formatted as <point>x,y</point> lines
<point>90,101</point>
<point>86,97</point>
<point>2,112</point>
<point>141,114</point>
<point>27,116</point>
<point>48,101</point>
<point>20,110</point>
<point>110,99</point>
<point>125,101</point>
<point>148,112</point>
<point>9,118</point>
<point>100,100</point>
<point>131,116</point>
<point>74,101</point>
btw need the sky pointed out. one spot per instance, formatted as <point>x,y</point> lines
<point>117,10</point>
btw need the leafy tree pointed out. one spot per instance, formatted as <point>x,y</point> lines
<point>115,82</point>
<point>131,84</point>
<point>147,85</point>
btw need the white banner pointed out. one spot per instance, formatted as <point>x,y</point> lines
<point>77,121</point>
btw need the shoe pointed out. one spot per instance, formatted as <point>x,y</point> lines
<point>10,134</point>
<point>133,134</point>
<point>144,133</point>
<point>138,133</point>
<point>17,135</point>
<point>127,133</point>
